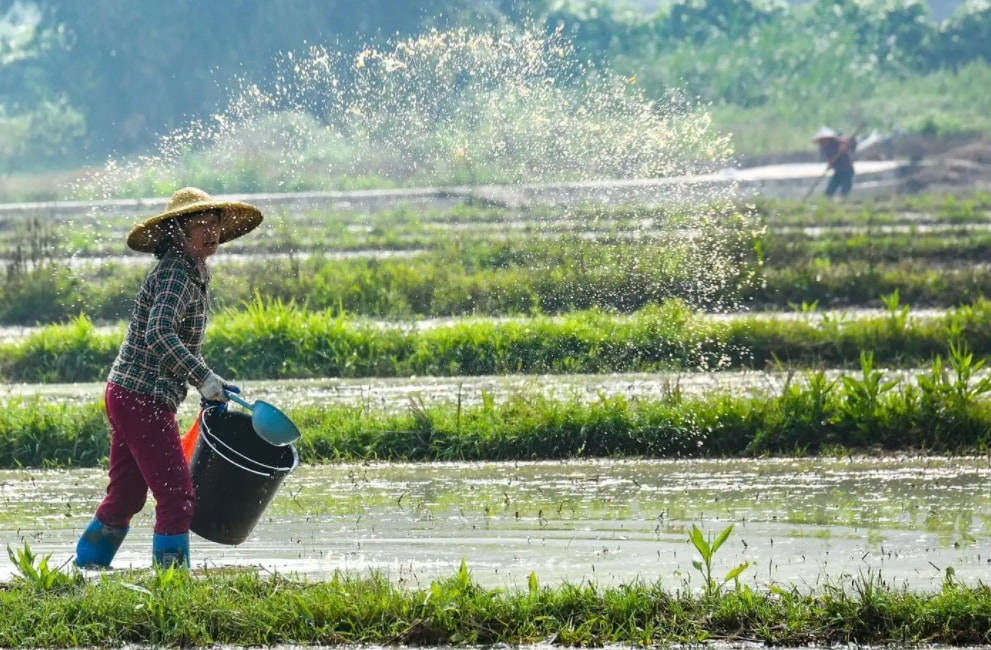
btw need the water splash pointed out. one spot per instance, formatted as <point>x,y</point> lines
<point>445,108</point>
<point>462,108</point>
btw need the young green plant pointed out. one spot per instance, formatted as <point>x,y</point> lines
<point>35,571</point>
<point>707,549</point>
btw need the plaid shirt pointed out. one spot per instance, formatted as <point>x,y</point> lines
<point>161,351</point>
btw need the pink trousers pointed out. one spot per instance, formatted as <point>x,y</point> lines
<point>145,453</point>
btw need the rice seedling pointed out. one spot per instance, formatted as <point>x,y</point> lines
<point>275,339</point>
<point>856,284</point>
<point>943,409</point>
<point>74,351</point>
<point>549,266</point>
<point>970,207</point>
<point>424,227</point>
<point>618,277</point>
<point>952,247</point>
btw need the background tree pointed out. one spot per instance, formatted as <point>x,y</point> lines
<point>83,80</point>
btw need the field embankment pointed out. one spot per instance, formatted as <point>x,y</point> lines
<point>940,410</point>
<point>276,340</point>
<point>408,263</point>
<point>248,609</point>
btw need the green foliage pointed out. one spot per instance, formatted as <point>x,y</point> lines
<point>942,410</point>
<point>774,73</point>
<point>555,273</point>
<point>780,67</point>
<point>707,548</point>
<point>35,572</point>
<point>275,339</point>
<point>836,45</point>
<point>966,33</point>
<point>38,126</point>
<point>245,608</point>
<point>181,36</point>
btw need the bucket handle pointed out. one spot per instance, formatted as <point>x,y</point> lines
<point>206,439</point>
<point>237,453</point>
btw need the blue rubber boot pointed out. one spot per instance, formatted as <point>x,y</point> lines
<point>171,550</point>
<point>99,544</point>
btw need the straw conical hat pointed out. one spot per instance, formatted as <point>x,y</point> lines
<point>825,133</point>
<point>236,218</point>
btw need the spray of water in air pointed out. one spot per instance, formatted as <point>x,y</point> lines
<point>460,108</point>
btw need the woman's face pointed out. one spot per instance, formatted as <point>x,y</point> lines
<point>202,235</point>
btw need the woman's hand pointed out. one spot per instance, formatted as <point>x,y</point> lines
<point>212,388</point>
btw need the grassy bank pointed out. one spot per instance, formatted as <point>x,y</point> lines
<point>859,284</point>
<point>547,267</point>
<point>469,278</point>
<point>244,608</point>
<point>278,340</point>
<point>942,410</point>
<point>618,277</point>
<point>96,233</point>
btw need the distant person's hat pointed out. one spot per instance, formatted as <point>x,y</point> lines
<point>825,133</point>
<point>236,218</point>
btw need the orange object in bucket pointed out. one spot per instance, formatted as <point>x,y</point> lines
<point>189,440</point>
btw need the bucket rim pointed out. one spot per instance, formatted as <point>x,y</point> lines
<point>205,429</point>
<point>219,453</point>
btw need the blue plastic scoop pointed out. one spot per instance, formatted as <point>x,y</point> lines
<point>272,425</point>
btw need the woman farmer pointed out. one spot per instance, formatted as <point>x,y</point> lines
<point>159,356</point>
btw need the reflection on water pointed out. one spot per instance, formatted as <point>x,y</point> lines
<point>395,393</point>
<point>609,521</point>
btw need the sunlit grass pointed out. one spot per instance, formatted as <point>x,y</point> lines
<point>168,608</point>
<point>273,339</point>
<point>943,410</point>
<point>511,280</point>
<point>547,267</point>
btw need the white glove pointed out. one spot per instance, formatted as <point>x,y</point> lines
<point>212,388</point>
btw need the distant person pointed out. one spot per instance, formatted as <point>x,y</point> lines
<point>159,356</point>
<point>837,150</point>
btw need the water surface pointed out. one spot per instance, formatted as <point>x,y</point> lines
<point>797,521</point>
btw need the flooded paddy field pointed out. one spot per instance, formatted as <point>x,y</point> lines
<point>303,223</point>
<point>397,394</point>
<point>797,521</point>
<point>363,238</point>
<point>91,263</point>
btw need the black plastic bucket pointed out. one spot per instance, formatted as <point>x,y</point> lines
<point>235,474</point>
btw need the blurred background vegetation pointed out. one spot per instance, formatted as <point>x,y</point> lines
<point>81,81</point>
